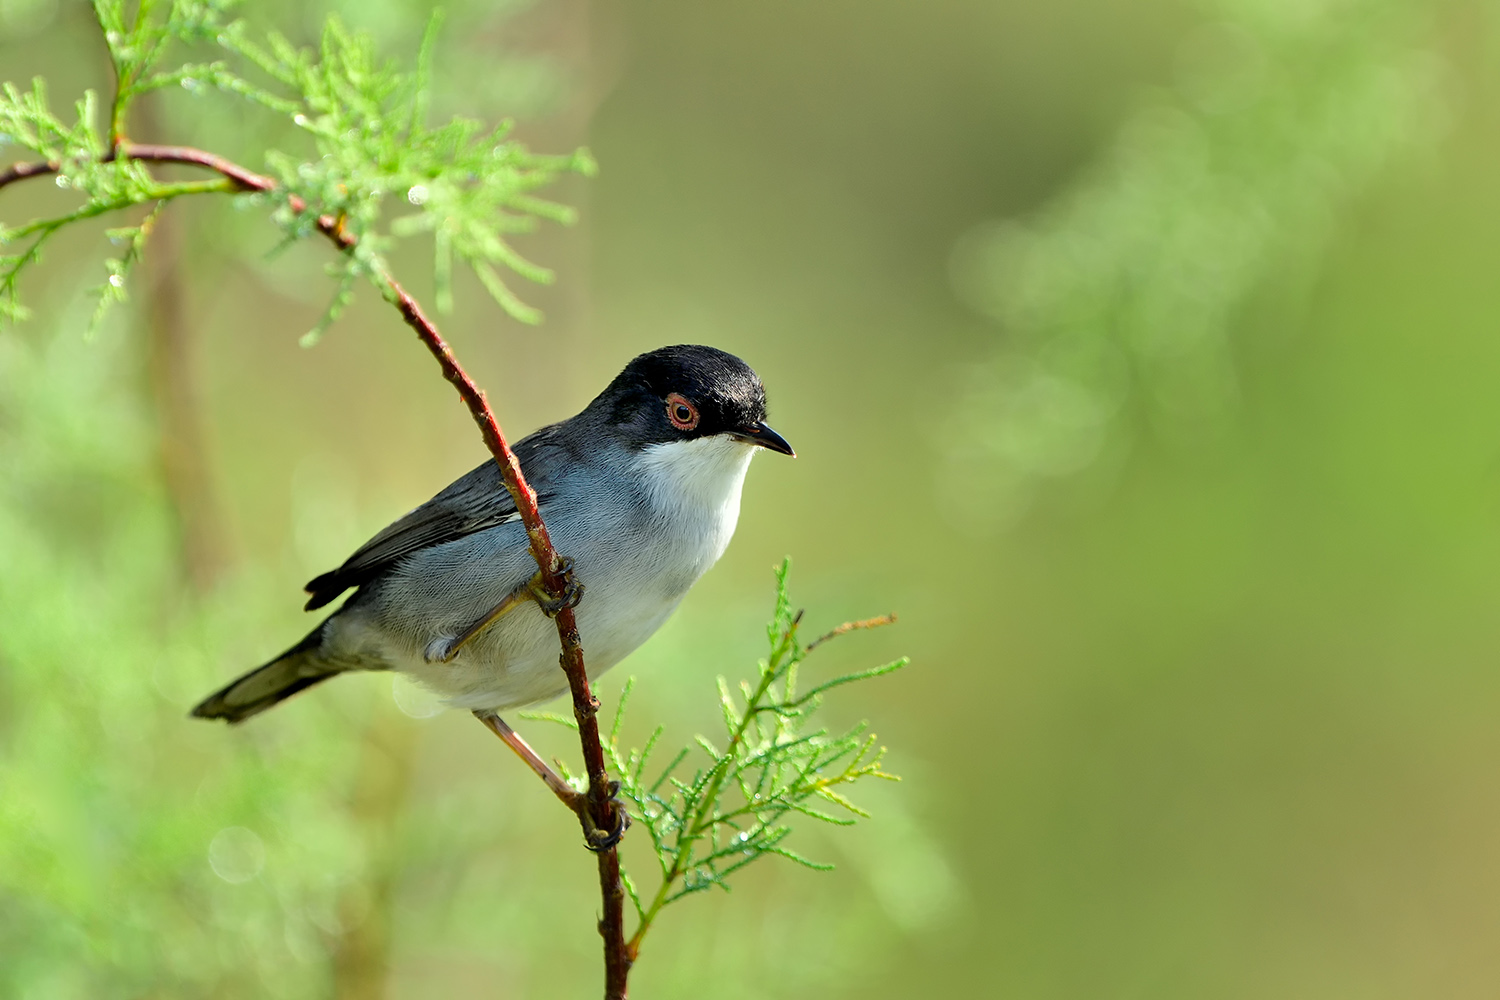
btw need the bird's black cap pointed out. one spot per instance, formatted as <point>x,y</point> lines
<point>684,392</point>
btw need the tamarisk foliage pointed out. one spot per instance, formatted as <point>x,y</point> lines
<point>366,149</point>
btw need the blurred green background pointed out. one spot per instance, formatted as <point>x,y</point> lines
<point>1141,356</point>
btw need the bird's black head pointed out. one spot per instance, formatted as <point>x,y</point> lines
<point>686,392</point>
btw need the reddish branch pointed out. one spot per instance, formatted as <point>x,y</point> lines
<point>21,171</point>
<point>600,802</point>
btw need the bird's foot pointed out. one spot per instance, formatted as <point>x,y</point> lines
<point>553,604</point>
<point>598,840</point>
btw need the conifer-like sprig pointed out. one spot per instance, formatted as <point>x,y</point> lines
<point>76,154</point>
<point>774,764</point>
<point>366,152</point>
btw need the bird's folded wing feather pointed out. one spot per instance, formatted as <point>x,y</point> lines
<point>474,502</point>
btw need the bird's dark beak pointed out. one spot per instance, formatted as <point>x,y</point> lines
<point>760,434</point>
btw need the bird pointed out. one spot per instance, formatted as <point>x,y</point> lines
<point>640,490</point>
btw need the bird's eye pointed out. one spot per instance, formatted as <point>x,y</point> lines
<point>684,415</point>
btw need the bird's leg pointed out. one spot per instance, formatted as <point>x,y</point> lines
<point>594,838</point>
<point>565,792</point>
<point>512,600</point>
<point>533,589</point>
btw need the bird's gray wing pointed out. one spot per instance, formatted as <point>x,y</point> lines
<point>474,502</point>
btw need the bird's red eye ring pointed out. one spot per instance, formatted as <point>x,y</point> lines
<point>684,415</point>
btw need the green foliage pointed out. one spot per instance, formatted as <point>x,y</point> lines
<point>366,146</point>
<point>773,766</point>
<point>107,186</point>
<point>133,239</point>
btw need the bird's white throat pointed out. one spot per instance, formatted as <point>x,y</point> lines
<point>703,476</point>
<point>695,488</point>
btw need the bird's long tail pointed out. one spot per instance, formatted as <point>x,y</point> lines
<point>299,667</point>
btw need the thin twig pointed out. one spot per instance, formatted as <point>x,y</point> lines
<point>850,627</point>
<point>247,179</point>
<point>601,804</point>
<point>21,171</point>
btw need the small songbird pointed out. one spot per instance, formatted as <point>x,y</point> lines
<point>641,491</point>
